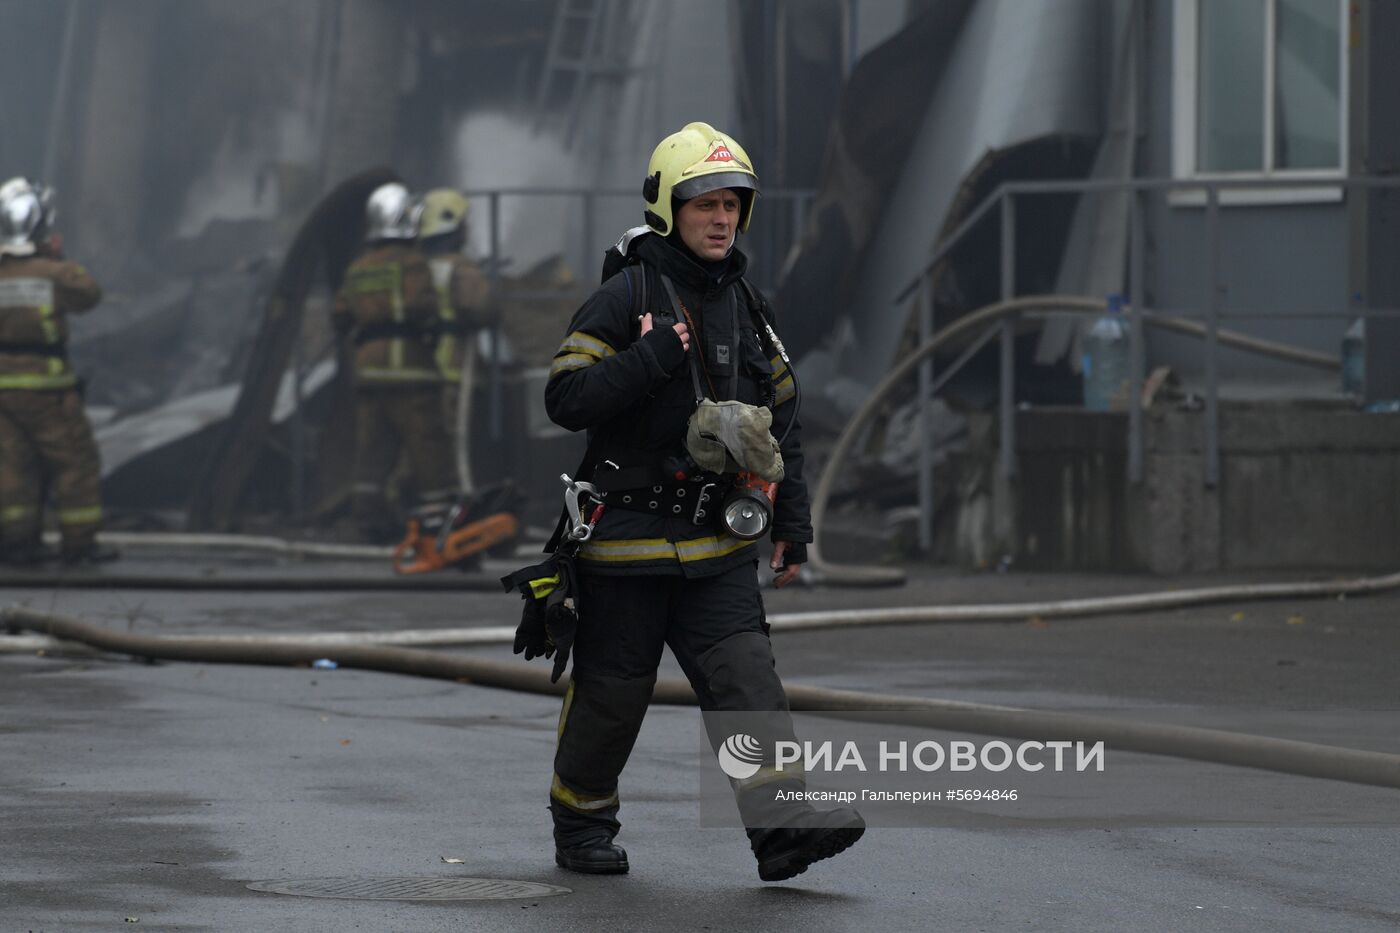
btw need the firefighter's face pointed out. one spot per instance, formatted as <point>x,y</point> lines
<point>707,223</point>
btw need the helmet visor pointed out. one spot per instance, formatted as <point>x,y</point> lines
<point>694,187</point>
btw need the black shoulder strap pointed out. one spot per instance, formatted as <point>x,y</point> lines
<point>758,305</point>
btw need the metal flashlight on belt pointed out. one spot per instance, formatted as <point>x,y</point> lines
<point>747,512</point>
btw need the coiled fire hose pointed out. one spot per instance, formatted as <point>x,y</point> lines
<point>1282,755</point>
<point>850,575</point>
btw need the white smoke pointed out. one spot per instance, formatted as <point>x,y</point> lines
<point>495,151</point>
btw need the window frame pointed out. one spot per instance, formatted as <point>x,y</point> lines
<point>1185,95</point>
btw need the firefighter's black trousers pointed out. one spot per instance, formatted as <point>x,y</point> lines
<point>715,628</point>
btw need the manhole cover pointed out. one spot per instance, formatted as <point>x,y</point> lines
<point>412,889</point>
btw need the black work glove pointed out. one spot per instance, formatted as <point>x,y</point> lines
<point>531,636</point>
<point>561,625</point>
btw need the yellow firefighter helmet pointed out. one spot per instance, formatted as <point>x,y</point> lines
<point>687,164</point>
<point>444,211</point>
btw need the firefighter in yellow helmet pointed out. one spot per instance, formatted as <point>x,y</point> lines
<point>462,302</point>
<point>676,328</point>
<point>45,437</point>
<point>387,305</point>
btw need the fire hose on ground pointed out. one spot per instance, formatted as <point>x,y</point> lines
<point>1209,745</point>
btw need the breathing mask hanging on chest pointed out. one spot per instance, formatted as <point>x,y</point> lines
<point>734,438</point>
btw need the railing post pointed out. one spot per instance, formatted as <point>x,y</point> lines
<point>298,426</point>
<point>1212,426</point>
<point>494,215</point>
<point>1008,337</point>
<point>1137,350</point>
<point>586,239</point>
<point>925,410</point>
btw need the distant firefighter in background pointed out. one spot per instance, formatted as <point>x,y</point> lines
<point>45,439</point>
<point>462,305</point>
<point>389,308</point>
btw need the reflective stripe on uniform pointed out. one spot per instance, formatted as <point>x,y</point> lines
<point>782,381</point>
<point>369,279</point>
<point>37,294</point>
<point>709,548</point>
<point>584,803</point>
<point>645,549</point>
<point>83,515</point>
<point>569,362</point>
<point>579,350</point>
<point>61,380</point>
<point>13,514</point>
<point>541,587</point>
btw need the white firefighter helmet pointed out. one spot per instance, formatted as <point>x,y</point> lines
<point>686,164</point>
<point>24,214</point>
<point>391,213</point>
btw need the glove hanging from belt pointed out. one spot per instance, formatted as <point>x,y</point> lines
<point>549,620</point>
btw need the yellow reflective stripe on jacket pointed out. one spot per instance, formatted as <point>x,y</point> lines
<point>579,342</point>
<point>15,513</point>
<point>59,380</point>
<point>84,515</point>
<point>579,350</point>
<point>376,277</point>
<point>782,381</point>
<point>645,549</point>
<point>584,803</point>
<point>564,364</point>
<point>783,390</point>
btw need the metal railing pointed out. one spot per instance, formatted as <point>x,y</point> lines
<point>1004,201</point>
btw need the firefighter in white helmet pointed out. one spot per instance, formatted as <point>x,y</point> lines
<point>387,305</point>
<point>45,437</point>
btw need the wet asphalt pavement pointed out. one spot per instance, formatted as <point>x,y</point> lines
<point>149,796</point>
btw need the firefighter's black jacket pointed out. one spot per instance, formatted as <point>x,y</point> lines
<point>636,394</point>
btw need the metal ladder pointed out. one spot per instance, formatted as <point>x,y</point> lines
<point>583,46</point>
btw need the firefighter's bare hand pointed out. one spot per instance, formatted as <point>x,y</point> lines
<point>785,575</point>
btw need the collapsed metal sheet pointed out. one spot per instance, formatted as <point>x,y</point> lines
<point>1015,73</point>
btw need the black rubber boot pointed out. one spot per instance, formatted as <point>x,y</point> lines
<point>602,858</point>
<point>787,851</point>
<point>584,843</point>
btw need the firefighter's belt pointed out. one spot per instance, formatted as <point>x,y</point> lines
<point>387,330</point>
<point>549,620</point>
<point>697,501</point>
<point>57,350</point>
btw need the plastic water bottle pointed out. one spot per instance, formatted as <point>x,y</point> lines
<point>1105,360</point>
<point>1354,359</point>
